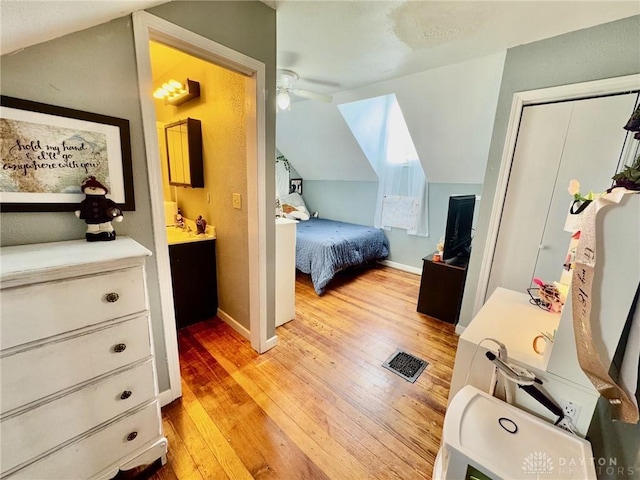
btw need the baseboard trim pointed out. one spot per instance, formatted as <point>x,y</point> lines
<point>165,397</point>
<point>460,329</point>
<point>229,320</point>
<point>271,342</point>
<point>401,266</point>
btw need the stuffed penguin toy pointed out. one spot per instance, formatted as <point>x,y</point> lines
<point>98,211</point>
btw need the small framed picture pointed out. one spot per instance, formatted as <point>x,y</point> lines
<point>295,185</point>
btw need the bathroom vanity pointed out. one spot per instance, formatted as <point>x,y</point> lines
<point>193,271</point>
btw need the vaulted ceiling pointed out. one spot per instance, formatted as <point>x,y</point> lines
<point>442,59</point>
<point>351,49</point>
<point>340,45</point>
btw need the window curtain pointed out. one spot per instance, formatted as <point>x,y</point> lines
<point>403,186</point>
<point>381,131</point>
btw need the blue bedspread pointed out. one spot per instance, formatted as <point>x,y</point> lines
<point>324,247</point>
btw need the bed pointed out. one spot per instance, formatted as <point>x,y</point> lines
<point>324,247</point>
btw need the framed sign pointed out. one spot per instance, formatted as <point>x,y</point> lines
<point>47,151</point>
<point>295,185</point>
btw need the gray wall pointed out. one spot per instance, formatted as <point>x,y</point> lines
<point>95,70</point>
<point>616,445</point>
<point>605,51</point>
<point>355,202</point>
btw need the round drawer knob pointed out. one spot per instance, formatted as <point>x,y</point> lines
<point>119,348</point>
<point>132,436</point>
<point>126,394</point>
<point>112,297</point>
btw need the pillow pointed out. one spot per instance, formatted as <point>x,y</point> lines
<point>293,199</point>
<point>295,213</point>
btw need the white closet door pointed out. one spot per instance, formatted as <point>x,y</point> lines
<point>531,181</point>
<point>581,139</point>
<point>591,154</point>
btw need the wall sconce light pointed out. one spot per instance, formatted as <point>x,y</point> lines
<point>283,100</point>
<point>174,93</point>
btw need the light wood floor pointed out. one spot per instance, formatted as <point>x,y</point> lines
<point>319,405</point>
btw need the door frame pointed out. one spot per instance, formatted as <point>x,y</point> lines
<point>576,91</point>
<point>148,27</point>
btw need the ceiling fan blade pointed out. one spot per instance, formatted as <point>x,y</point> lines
<point>312,95</point>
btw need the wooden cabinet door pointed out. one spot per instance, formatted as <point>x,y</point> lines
<point>441,289</point>
<point>195,289</point>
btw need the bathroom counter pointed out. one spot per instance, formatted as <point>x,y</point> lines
<point>177,235</point>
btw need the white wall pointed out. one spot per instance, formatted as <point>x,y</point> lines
<point>318,143</point>
<point>449,112</point>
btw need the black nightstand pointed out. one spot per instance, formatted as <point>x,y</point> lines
<point>441,289</point>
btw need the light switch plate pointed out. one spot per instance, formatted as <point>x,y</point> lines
<point>237,200</point>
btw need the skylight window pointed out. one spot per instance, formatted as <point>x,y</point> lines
<point>400,148</point>
<point>381,131</point>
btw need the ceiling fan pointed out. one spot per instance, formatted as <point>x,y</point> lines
<point>285,89</point>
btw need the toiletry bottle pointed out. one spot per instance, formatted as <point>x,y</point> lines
<point>179,219</point>
<point>201,225</point>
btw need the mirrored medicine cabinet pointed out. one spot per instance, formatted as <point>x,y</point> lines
<point>184,153</point>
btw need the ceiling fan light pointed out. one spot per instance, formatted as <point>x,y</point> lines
<point>283,100</point>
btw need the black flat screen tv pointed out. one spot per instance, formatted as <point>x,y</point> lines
<point>458,234</point>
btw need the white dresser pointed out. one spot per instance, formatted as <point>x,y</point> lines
<point>285,270</point>
<point>79,394</point>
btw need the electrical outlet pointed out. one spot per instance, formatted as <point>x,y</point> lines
<point>571,410</point>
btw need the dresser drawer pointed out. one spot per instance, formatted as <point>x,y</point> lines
<point>42,310</point>
<point>35,431</point>
<point>89,455</point>
<point>51,367</point>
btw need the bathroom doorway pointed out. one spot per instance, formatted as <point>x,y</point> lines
<point>201,119</point>
<point>252,74</point>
